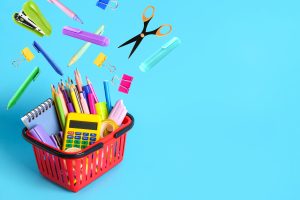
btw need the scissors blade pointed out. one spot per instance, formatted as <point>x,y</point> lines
<point>130,41</point>
<point>135,46</point>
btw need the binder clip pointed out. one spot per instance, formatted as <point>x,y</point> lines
<point>125,83</point>
<point>112,4</point>
<point>99,61</point>
<point>27,54</point>
<point>32,19</point>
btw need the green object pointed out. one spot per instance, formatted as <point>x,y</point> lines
<point>85,47</point>
<point>32,77</point>
<point>33,20</point>
<point>60,112</point>
<point>101,110</point>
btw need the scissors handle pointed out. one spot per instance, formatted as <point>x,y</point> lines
<point>159,33</point>
<point>144,16</point>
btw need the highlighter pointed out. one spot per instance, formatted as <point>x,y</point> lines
<point>167,48</point>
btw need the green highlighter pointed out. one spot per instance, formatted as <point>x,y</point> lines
<point>32,77</point>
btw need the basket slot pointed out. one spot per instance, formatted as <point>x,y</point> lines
<point>49,165</point>
<point>58,170</point>
<point>37,158</point>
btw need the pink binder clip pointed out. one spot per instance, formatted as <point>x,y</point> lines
<point>125,83</point>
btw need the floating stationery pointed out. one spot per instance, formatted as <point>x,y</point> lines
<point>32,19</point>
<point>32,77</point>
<point>66,10</point>
<point>50,61</point>
<point>86,36</point>
<point>85,47</point>
<point>167,48</point>
<point>43,115</point>
<point>40,134</point>
<point>81,131</point>
<point>103,4</point>
<point>99,61</point>
<point>27,54</point>
<point>125,83</point>
<point>158,32</point>
<point>107,95</point>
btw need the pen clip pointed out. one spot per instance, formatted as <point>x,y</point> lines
<point>37,73</point>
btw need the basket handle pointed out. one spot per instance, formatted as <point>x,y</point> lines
<point>79,154</point>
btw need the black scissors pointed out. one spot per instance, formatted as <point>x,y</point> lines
<point>138,39</point>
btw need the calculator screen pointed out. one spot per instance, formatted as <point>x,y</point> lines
<point>83,125</point>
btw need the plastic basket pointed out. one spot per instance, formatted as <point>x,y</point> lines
<point>74,171</point>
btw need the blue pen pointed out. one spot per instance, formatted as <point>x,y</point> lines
<point>107,95</point>
<point>50,61</point>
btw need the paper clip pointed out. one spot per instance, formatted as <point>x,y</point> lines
<point>107,3</point>
<point>27,54</point>
<point>99,61</point>
<point>125,82</point>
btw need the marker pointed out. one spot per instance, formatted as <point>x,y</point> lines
<point>107,95</point>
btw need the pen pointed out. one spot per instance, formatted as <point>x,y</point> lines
<point>107,95</point>
<point>32,77</point>
<point>50,61</point>
<point>66,10</point>
<point>85,47</point>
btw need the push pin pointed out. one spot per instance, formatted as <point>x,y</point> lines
<point>125,83</point>
<point>99,61</point>
<point>103,4</point>
<point>27,54</point>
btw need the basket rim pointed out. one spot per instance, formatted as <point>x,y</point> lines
<point>90,149</point>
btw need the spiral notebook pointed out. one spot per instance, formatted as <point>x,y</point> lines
<point>43,115</point>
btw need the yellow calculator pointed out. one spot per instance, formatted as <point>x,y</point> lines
<point>81,130</point>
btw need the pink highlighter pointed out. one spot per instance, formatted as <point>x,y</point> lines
<point>86,36</point>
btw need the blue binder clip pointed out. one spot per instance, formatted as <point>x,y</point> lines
<point>112,4</point>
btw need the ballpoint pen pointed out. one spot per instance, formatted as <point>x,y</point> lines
<point>32,77</point>
<point>50,61</point>
<point>66,10</point>
<point>85,47</point>
<point>92,89</point>
<point>107,95</point>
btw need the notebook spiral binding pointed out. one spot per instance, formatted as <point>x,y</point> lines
<point>39,110</point>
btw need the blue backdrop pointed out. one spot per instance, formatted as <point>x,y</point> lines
<point>217,119</point>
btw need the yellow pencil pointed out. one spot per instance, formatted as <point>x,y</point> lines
<point>74,100</point>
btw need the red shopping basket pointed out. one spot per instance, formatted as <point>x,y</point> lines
<point>74,171</point>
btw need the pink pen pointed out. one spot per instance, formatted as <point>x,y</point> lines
<point>92,90</point>
<point>92,103</point>
<point>83,102</point>
<point>66,10</point>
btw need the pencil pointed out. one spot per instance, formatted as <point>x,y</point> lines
<point>63,101</point>
<point>74,100</point>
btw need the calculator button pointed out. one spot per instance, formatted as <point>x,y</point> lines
<point>85,138</point>
<point>77,146</point>
<point>83,146</point>
<point>93,135</point>
<point>93,139</point>
<point>68,145</point>
<point>70,141</point>
<point>86,134</point>
<point>84,142</point>
<point>77,142</point>
<point>92,143</point>
<point>70,137</point>
<point>70,132</point>
<point>77,133</point>
<point>77,137</point>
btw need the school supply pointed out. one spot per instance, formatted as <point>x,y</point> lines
<point>118,113</point>
<point>108,126</point>
<point>125,83</point>
<point>86,36</point>
<point>43,115</point>
<point>92,90</point>
<point>49,60</point>
<point>158,32</point>
<point>57,139</point>
<point>85,47</point>
<point>66,10</point>
<point>32,77</point>
<point>61,112</point>
<point>107,95</point>
<point>40,134</point>
<point>27,54</point>
<point>165,50</point>
<point>91,100</point>
<point>101,58</point>
<point>32,19</point>
<point>67,98</point>
<point>103,4</point>
<point>81,130</point>
<point>74,100</point>
<point>101,110</point>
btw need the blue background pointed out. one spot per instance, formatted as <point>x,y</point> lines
<point>216,119</point>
